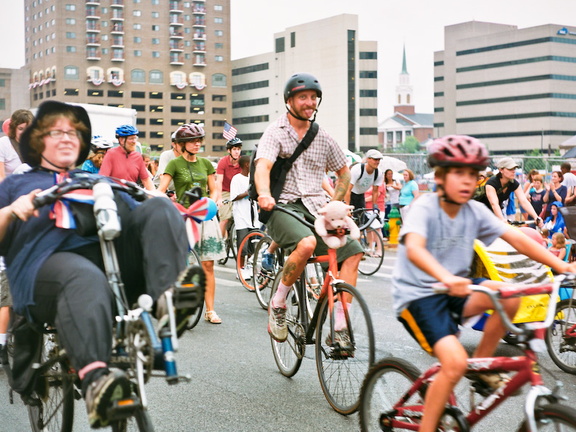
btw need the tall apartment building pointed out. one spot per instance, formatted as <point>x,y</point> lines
<point>515,89</point>
<point>167,59</point>
<point>13,91</point>
<point>346,68</point>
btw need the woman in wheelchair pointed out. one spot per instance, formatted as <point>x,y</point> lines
<point>56,275</point>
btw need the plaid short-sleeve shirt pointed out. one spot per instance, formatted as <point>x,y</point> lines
<point>304,180</point>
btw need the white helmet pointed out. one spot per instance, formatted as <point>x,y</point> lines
<point>100,143</point>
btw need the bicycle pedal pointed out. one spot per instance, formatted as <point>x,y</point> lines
<point>124,408</point>
<point>188,296</point>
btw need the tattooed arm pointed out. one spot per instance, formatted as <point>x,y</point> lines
<point>342,183</point>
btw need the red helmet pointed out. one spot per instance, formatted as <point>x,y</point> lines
<point>458,150</point>
<point>188,132</point>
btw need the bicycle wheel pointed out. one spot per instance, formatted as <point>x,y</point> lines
<point>373,245</point>
<point>561,336</point>
<point>342,370</point>
<point>553,417</point>
<point>194,259</point>
<point>384,385</point>
<point>139,422</point>
<point>244,256</point>
<point>51,406</point>
<point>288,354</point>
<point>264,279</point>
<point>314,277</point>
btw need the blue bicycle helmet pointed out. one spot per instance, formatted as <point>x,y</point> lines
<point>126,130</point>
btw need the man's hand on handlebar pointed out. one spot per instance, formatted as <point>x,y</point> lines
<point>23,208</point>
<point>457,286</point>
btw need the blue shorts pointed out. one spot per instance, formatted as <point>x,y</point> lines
<point>429,319</point>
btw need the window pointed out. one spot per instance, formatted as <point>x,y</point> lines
<point>177,109</point>
<point>140,108</point>
<point>155,2</point>
<point>155,41</point>
<point>137,26</point>
<point>218,98</point>
<point>2,82</point>
<point>2,104</point>
<point>157,121</point>
<point>177,96</point>
<point>219,80</point>
<point>156,77</point>
<point>292,39</point>
<point>219,58</point>
<point>96,93</point>
<point>138,76</point>
<point>138,94</point>
<point>218,20</point>
<point>156,108</point>
<point>70,7</point>
<point>71,73</point>
<point>137,53</point>
<point>280,43</point>
<point>137,13</point>
<point>218,8</point>
<point>70,49</point>
<point>157,135</point>
<point>155,15</point>
<point>155,95</point>
<point>219,33</point>
<point>155,28</point>
<point>115,93</point>
<point>70,35</point>
<point>137,39</point>
<point>177,122</point>
<point>71,92</point>
<point>70,21</point>
<point>155,54</point>
<point>218,45</point>
<point>118,53</point>
<point>140,121</point>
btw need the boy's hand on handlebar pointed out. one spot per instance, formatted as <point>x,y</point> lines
<point>457,286</point>
<point>266,202</point>
<point>23,208</point>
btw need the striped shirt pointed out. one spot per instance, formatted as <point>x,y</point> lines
<point>304,180</point>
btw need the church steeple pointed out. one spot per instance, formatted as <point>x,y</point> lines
<point>404,98</point>
<point>404,68</point>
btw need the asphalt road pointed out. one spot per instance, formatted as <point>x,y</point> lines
<point>235,385</point>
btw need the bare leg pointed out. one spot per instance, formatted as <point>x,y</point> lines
<point>210,292</point>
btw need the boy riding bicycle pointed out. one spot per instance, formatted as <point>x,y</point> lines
<point>437,244</point>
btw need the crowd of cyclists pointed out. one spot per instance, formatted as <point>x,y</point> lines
<point>49,265</point>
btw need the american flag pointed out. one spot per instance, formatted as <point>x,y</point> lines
<point>229,131</point>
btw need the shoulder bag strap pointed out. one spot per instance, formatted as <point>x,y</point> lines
<point>304,144</point>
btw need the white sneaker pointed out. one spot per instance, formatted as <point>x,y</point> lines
<point>246,273</point>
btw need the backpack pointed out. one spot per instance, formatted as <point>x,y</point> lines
<point>362,170</point>
<point>480,192</point>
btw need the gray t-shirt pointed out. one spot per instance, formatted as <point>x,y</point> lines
<point>450,241</point>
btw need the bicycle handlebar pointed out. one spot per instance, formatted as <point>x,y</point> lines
<point>52,194</point>
<point>512,291</point>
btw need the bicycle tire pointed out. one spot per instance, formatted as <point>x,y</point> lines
<point>562,347</point>
<point>549,417</point>
<point>194,259</point>
<point>263,279</point>
<point>288,354</point>
<point>341,373</point>
<point>51,406</point>
<point>382,388</point>
<point>248,244</point>
<point>139,422</point>
<point>373,256</point>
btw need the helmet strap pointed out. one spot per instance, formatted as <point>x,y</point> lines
<point>61,168</point>
<point>444,197</point>
<point>124,145</point>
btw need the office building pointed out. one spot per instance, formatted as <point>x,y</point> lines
<point>346,67</point>
<point>167,59</point>
<point>515,89</point>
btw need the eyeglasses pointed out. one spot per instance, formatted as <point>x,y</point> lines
<point>72,134</point>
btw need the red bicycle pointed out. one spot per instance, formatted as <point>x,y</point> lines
<point>393,390</point>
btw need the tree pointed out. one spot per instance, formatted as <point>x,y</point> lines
<point>410,145</point>
<point>534,161</point>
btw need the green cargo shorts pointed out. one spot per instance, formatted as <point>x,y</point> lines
<point>287,232</point>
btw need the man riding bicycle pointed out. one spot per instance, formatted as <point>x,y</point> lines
<point>302,193</point>
<point>57,276</point>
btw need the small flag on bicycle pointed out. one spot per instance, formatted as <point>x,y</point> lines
<point>229,131</point>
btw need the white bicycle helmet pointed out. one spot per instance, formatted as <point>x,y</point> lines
<point>100,143</point>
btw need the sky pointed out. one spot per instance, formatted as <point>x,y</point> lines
<point>416,24</point>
